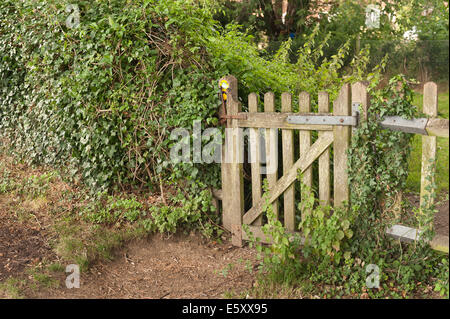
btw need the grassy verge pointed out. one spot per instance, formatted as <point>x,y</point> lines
<point>442,165</point>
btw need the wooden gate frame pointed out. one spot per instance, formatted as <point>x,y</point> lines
<point>232,170</point>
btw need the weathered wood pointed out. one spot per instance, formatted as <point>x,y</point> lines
<point>257,232</point>
<point>232,174</point>
<point>236,235</point>
<point>217,193</point>
<point>437,127</point>
<point>341,106</point>
<point>278,121</point>
<point>360,95</point>
<point>429,145</point>
<point>440,243</point>
<point>226,166</point>
<point>304,105</point>
<point>404,233</point>
<point>255,152</point>
<point>236,172</point>
<point>288,178</point>
<point>324,159</point>
<point>271,149</point>
<point>288,161</point>
<point>409,235</point>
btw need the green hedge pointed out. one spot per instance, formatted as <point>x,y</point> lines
<point>102,98</point>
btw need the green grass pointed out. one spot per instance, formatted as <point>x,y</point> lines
<point>413,181</point>
<point>10,289</point>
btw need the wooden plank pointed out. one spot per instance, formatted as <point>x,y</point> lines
<point>304,104</point>
<point>236,235</point>
<point>217,193</point>
<point>284,182</point>
<point>437,127</point>
<point>341,106</point>
<point>404,233</point>
<point>288,161</point>
<point>271,149</point>
<point>255,156</point>
<point>236,172</point>
<point>440,243</point>
<point>257,232</point>
<point>278,120</point>
<point>225,166</point>
<point>360,95</point>
<point>324,159</point>
<point>409,235</point>
<point>429,146</point>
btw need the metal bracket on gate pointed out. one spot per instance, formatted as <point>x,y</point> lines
<point>322,120</point>
<point>347,120</point>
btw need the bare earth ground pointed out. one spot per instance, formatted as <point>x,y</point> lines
<point>179,267</point>
<point>154,266</point>
<point>182,266</point>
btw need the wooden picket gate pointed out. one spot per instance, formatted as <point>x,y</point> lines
<point>334,130</point>
<point>335,133</point>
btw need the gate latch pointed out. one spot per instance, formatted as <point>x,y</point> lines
<point>223,116</point>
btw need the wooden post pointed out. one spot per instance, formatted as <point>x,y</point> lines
<point>288,161</point>
<point>341,106</point>
<point>232,180</point>
<point>429,145</point>
<point>304,104</point>
<point>236,192</point>
<point>255,152</point>
<point>271,145</point>
<point>360,95</point>
<point>324,159</point>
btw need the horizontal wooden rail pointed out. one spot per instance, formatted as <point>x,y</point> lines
<point>257,232</point>
<point>408,235</point>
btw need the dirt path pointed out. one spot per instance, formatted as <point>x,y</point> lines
<point>179,267</point>
<point>40,235</point>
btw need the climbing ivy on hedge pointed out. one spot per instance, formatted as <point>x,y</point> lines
<point>102,98</point>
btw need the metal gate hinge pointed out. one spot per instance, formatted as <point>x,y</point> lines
<point>323,120</point>
<point>346,120</point>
